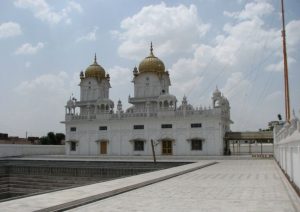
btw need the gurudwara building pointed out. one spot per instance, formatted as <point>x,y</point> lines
<point>95,127</point>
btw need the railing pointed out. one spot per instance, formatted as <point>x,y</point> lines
<point>144,113</point>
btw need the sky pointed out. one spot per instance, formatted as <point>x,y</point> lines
<point>234,45</point>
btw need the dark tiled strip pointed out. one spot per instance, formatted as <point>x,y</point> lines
<point>94,198</point>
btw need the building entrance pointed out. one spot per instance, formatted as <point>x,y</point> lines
<point>167,147</point>
<point>103,147</point>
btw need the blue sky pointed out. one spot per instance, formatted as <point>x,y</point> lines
<point>233,44</point>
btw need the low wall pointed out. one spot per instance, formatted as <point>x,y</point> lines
<point>8,150</point>
<point>287,149</point>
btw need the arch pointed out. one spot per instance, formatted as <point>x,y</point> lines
<point>166,103</point>
<point>217,103</point>
<point>102,107</point>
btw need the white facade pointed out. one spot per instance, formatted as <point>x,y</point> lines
<point>287,148</point>
<point>93,127</point>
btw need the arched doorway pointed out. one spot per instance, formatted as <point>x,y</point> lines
<point>166,147</point>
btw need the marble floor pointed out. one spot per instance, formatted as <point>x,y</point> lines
<point>240,185</point>
<point>230,185</point>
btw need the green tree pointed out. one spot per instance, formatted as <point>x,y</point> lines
<point>44,140</point>
<point>52,138</point>
<point>59,137</point>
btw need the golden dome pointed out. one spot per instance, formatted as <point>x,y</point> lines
<point>95,70</point>
<point>152,64</point>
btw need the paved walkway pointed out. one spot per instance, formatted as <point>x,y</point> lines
<point>230,185</point>
<point>244,185</point>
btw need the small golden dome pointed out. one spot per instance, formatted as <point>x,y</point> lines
<point>151,64</point>
<point>95,70</point>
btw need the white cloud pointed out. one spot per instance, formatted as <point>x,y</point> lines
<point>27,48</point>
<point>119,75</point>
<point>226,58</point>
<point>253,10</point>
<point>9,29</point>
<point>235,61</point>
<point>47,82</point>
<point>43,99</point>
<point>44,12</point>
<point>278,67</point>
<point>91,36</point>
<point>172,29</point>
<point>293,33</point>
<point>236,83</point>
<point>292,42</point>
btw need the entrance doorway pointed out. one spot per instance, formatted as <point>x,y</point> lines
<point>167,147</point>
<point>103,147</point>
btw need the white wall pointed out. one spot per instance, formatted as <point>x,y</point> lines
<point>287,149</point>
<point>8,150</point>
<point>120,132</point>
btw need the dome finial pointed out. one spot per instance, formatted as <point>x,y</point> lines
<point>95,59</point>
<point>151,48</point>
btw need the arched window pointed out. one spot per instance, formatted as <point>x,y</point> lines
<point>217,103</point>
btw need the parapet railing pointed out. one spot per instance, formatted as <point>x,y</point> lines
<point>144,113</point>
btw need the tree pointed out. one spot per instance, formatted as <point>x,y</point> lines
<point>52,138</point>
<point>60,137</point>
<point>44,140</point>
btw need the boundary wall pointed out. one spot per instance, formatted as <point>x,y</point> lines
<point>287,150</point>
<point>12,150</point>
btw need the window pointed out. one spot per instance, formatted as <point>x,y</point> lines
<point>103,128</point>
<point>196,144</point>
<point>73,129</point>
<point>196,125</point>
<point>138,145</point>
<point>73,146</point>
<point>138,127</point>
<point>166,126</point>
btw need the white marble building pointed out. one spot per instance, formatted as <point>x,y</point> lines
<point>94,127</point>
